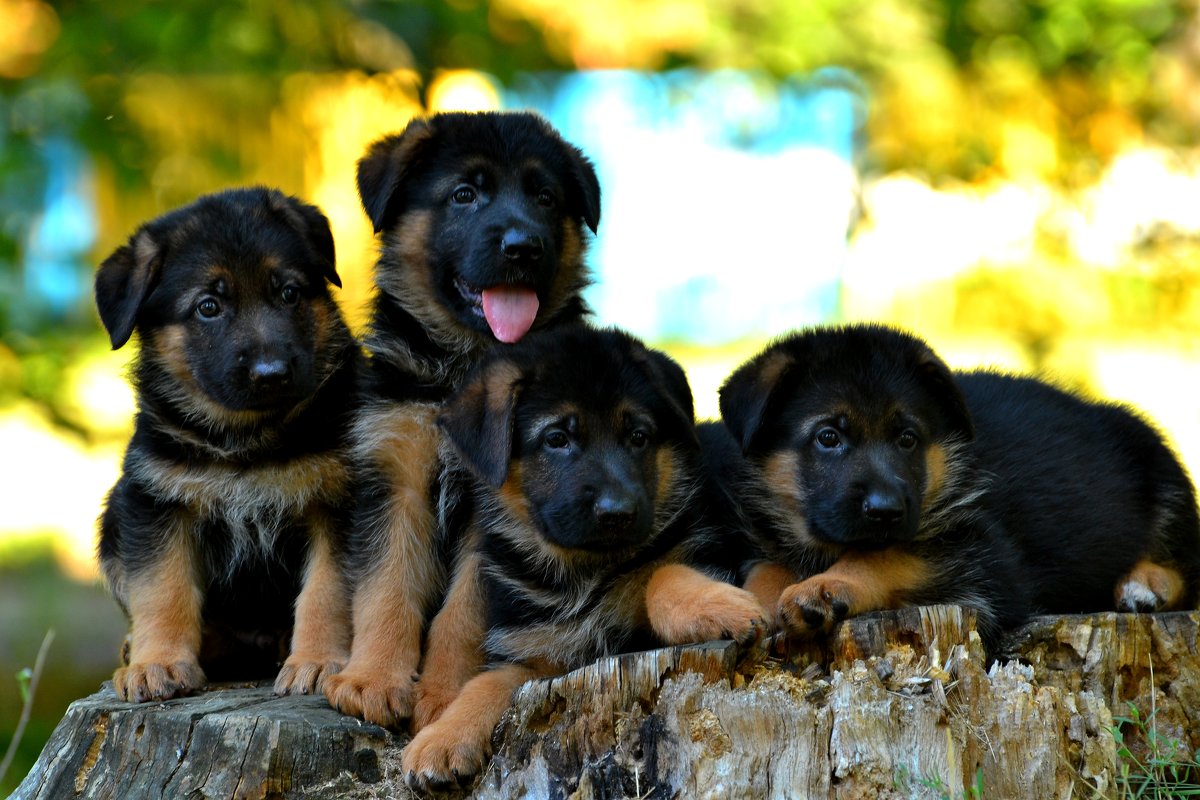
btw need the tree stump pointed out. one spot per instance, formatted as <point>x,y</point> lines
<point>898,704</point>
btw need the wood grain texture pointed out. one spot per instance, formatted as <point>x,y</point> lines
<point>239,742</point>
<point>897,704</point>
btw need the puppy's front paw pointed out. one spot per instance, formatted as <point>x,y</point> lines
<point>383,698</point>
<point>684,605</point>
<point>444,755</point>
<point>815,605</point>
<point>145,681</point>
<point>302,674</point>
<point>724,612</point>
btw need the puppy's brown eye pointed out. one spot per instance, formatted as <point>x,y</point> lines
<point>639,438</point>
<point>906,440</point>
<point>545,198</point>
<point>557,440</point>
<point>828,438</point>
<point>464,195</point>
<point>290,294</point>
<point>208,308</point>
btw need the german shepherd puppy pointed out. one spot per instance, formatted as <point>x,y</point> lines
<point>224,524</point>
<point>482,219</point>
<point>883,479</point>
<point>587,480</point>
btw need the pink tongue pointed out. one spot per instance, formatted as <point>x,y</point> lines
<point>509,311</point>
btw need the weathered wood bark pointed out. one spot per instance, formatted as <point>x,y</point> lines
<point>893,705</point>
<point>231,742</point>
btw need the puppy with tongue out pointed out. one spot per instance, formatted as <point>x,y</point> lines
<point>484,219</point>
<point>483,222</point>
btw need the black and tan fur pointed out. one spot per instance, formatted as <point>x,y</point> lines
<point>588,483</point>
<point>879,478</point>
<point>224,525</point>
<point>469,206</point>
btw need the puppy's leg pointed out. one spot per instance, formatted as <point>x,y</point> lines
<point>856,583</point>
<point>685,605</point>
<point>391,599</point>
<point>453,647</point>
<point>1150,587</point>
<point>378,682</point>
<point>767,581</point>
<point>164,601</point>
<point>456,747</point>
<point>321,635</point>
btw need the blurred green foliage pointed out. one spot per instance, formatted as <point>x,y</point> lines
<point>84,76</point>
<point>1048,90</point>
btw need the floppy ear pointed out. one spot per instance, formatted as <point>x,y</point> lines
<point>384,167</point>
<point>747,395</point>
<point>586,188</point>
<point>478,420</point>
<point>939,381</point>
<point>123,283</point>
<point>672,384</point>
<point>313,226</point>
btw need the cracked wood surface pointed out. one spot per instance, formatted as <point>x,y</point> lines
<point>899,704</point>
<point>229,742</point>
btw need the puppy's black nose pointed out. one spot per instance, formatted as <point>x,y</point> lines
<point>273,372</point>
<point>885,507</point>
<point>615,514</point>
<point>519,245</point>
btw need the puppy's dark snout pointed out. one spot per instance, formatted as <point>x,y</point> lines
<point>270,372</point>
<point>883,506</point>
<point>521,245</point>
<point>615,512</point>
